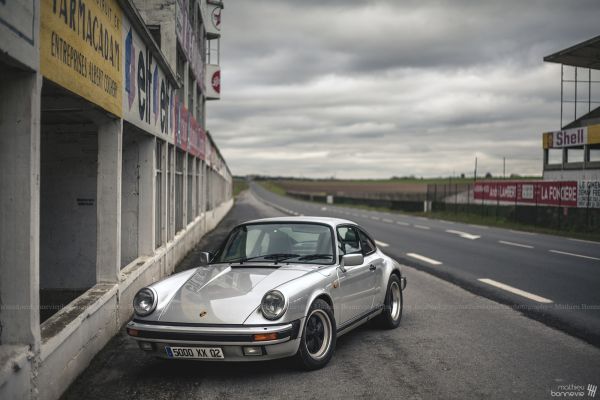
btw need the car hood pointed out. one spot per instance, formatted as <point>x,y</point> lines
<point>222,294</point>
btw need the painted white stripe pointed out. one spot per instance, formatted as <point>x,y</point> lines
<point>402,223</point>
<point>515,244</point>
<point>584,241</point>
<point>479,226</point>
<point>463,235</point>
<point>523,232</point>
<point>376,218</point>
<point>574,255</point>
<point>516,291</point>
<point>422,227</point>
<point>355,215</point>
<point>381,244</point>
<point>423,258</point>
<point>389,221</point>
<point>422,218</point>
<point>364,215</point>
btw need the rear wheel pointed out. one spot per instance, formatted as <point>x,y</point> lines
<point>317,343</point>
<point>392,307</point>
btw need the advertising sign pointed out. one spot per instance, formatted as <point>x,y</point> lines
<point>212,14</point>
<point>588,194</point>
<point>568,138</point>
<point>81,49</point>
<point>148,94</point>
<point>213,81</point>
<point>563,194</point>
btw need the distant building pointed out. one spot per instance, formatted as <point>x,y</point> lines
<point>108,174</point>
<point>573,152</point>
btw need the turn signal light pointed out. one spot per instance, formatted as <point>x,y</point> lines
<point>261,337</point>
<point>133,332</point>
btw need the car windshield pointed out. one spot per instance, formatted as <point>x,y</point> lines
<point>306,243</point>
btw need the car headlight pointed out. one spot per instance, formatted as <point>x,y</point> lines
<point>144,302</point>
<point>273,305</point>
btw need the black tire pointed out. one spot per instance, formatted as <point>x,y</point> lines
<point>390,317</point>
<point>313,354</point>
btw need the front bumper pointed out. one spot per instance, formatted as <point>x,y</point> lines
<point>153,337</point>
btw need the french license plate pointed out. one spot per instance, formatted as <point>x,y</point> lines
<point>194,352</point>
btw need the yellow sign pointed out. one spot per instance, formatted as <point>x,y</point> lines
<point>81,49</point>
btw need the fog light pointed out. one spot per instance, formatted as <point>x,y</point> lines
<point>146,346</point>
<point>253,351</point>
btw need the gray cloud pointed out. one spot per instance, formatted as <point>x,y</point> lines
<point>379,88</point>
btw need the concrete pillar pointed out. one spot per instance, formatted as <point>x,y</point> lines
<point>147,196</point>
<point>110,156</point>
<point>171,193</point>
<point>19,207</point>
<point>164,212</point>
<point>185,190</point>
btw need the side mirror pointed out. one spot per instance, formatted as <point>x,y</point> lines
<point>351,260</point>
<point>205,258</point>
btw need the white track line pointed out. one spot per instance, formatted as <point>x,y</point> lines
<point>423,258</point>
<point>574,255</point>
<point>516,291</point>
<point>376,218</point>
<point>402,223</point>
<point>389,221</point>
<point>584,241</point>
<point>422,227</point>
<point>515,244</point>
<point>381,244</point>
<point>523,232</point>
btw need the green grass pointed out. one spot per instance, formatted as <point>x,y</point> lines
<point>408,180</point>
<point>273,187</point>
<point>239,185</point>
<point>468,218</point>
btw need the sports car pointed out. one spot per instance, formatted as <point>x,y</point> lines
<point>276,287</point>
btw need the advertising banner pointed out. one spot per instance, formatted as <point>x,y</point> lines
<point>81,49</point>
<point>148,94</point>
<point>588,194</point>
<point>212,15</point>
<point>213,81</point>
<point>560,194</point>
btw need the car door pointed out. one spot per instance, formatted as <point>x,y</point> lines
<point>376,264</point>
<point>355,284</point>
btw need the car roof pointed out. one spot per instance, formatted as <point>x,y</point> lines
<point>322,220</point>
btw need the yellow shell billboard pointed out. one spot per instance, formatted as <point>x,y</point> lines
<point>81,49</point>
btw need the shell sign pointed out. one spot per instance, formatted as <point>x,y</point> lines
<point>81,49</point>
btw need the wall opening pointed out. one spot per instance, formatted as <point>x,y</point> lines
<point>68,194</point>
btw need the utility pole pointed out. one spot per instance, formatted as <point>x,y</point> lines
<point>503,167</point>
<point>475,175</point>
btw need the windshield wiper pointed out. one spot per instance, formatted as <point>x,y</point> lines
<point>278,257</point>
<point>314,257</point>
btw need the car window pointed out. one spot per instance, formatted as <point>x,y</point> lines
<point>303,242</point>
<point>348,240</point>
<point>366,243</point>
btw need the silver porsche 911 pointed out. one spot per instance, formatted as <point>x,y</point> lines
<point>277,287</point>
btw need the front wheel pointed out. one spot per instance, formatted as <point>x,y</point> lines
<point>317,343</point>
<point>392,307</point>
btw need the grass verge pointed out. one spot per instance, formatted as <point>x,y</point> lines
<point>467,218</point>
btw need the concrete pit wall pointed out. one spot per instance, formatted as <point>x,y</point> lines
<point>72,337</point>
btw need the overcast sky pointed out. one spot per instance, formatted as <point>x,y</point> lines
<point>373,89</point>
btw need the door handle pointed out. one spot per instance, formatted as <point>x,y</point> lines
<point>372,267</point>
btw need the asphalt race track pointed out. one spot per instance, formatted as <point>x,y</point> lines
<point>453,343</point>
